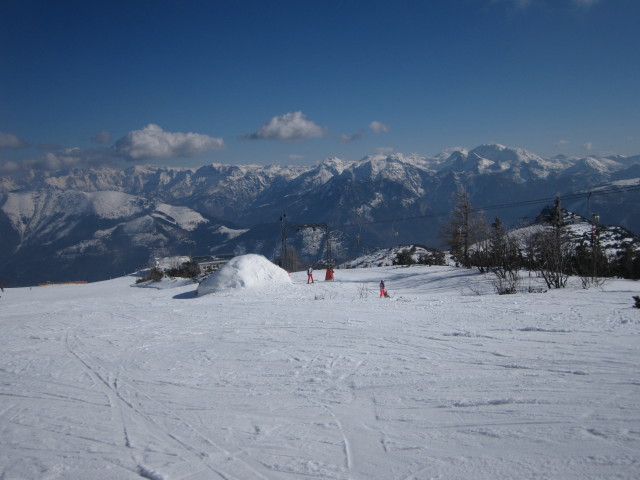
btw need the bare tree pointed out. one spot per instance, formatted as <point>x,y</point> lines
<point>552,250</point>
<point>590,264</point>
<point>504,259</point>
<point>466,227</point>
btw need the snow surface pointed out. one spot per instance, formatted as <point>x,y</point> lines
<point>328,381</point>
<point>245,271</point>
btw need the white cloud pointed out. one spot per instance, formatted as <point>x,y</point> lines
<point>561,143</point>
<point>290,127</point>
<point>345,138</point>
<point>52,161</point>
<point>153,142</point>
<point>378,127</point>
<point>66,158</point>
<point>9,167</point>
<point>295,157</point>
<point>587,146</point>
<point>103,136</point>
<point>9,140</point>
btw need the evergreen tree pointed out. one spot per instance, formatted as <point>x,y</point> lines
<point>627,265</point>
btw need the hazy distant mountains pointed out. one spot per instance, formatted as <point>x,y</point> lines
<point>90,224</point>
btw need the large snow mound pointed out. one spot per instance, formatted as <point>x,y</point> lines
<point>245,271</point>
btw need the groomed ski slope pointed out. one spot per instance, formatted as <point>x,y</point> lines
<point>445,380</point>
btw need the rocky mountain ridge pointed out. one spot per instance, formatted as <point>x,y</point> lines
<point>115,219</point>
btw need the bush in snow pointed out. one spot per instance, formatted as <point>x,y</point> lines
<point>590,264</point>
<point>405,257</point>
<point>499,254</point>
<point>420,255</point>
<point>154,274</point>
<point>188,269</point>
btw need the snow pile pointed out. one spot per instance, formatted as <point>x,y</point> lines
<point>245,271</point>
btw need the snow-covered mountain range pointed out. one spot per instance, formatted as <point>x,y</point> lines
<point>94,223</point>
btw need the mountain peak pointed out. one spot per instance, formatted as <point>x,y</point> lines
<point>491,158</point>
<point>499,153</point>
<point>334,164</point>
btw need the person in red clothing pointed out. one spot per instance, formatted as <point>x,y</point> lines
<point>383,292</point>
<point>310,274</point>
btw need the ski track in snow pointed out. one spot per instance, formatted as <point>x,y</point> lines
<point>109,381</point>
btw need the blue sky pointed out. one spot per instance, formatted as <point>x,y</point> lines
<point>194,82</point>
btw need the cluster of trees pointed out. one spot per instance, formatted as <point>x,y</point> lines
<point>428,256</point>
<point>188,269</point>
<point>548,250</point>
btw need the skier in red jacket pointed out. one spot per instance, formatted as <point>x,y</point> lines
<point>310,274</point>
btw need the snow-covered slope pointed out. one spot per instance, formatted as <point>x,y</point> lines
<point>611,239</point>
<point>183,217</point>
<point>53,235</point>
<point>46,212</point>
<point>112,382</point>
